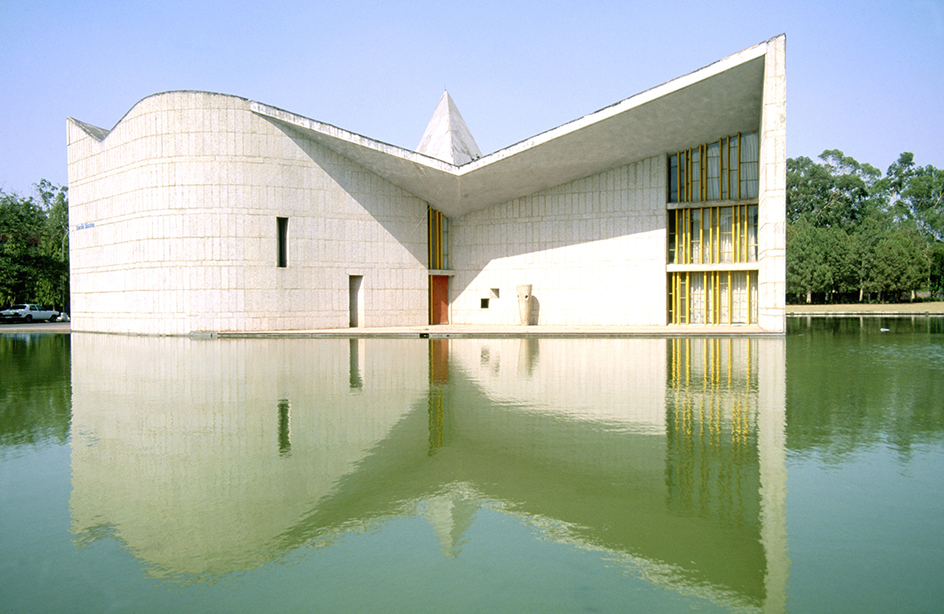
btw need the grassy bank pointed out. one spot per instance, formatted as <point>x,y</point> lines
<point>869,309</point>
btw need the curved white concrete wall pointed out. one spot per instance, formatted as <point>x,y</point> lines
<point>173,218</point>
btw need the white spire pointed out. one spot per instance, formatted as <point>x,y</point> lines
<point>447,138</point>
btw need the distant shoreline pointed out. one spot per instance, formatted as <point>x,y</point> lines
<point>868,309</point>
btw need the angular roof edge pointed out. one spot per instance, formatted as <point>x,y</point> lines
<point>635,100</point>
<point>632,129</point>
<point>95,132</point>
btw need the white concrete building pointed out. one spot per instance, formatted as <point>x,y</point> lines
<point>206,212</point>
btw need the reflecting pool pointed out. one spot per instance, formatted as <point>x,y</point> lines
<point>802,474</point>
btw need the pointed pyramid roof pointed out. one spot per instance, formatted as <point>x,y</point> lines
<point>447,137</point>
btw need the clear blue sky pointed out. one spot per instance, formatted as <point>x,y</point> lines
<point>864,77</point>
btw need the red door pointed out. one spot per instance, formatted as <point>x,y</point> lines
<point>438,299</point>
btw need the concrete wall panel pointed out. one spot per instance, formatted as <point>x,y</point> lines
<point>592,249</point>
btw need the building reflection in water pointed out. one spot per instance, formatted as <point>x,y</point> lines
<point>438,382</point>
<point>285,428</point>
<point>667,454</point>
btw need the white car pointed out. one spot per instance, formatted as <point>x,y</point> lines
<point>27,313</point>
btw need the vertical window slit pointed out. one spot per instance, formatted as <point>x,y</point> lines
<point>282,249</point>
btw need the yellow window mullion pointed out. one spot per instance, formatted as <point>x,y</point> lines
<point>438,240</point>
<point>703,168</point>
<point>706,285</point>
<point>691,166</point>
<point>437,237</point>
<point>744,219</point>
<point>744,223</point>
<point>722,155</point>
<point>688,301</point>
<point>739,242</point>
<point>716,239</point>
<point>742,233</point>
<point>701,244</point>
<point>715,289</point>
<point>678,298</point>
<point>740,144</point>
<point>736,234</point>
<point>680,236</point>
<point>676,304</point>
<point>674,298</point>
<point>709,297</point>
<point>718,298</point>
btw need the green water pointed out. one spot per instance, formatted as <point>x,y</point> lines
<point>803,474</point>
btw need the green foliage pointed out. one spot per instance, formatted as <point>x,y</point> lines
<point>34,247</point>
<point>806,268</point>
<point>819,260</point>
<point>917,195</point>
<point>852,231</point>
<point>900,266</point>
<point>837,192</point>
<point>935,255</point>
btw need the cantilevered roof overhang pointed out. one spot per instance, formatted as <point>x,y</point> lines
<point>721,99</point>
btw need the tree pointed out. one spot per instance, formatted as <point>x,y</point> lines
<point>917,195</point>
<point>34,247</point>
<point>837,192</point>
<point>840,258</point>
<point>55,202</point>
<point>807,271</point>
<point>900,264</point>
<point>865,242</point>
<point>53,283</point>
<point>936,268</point>
<point>850,228</point>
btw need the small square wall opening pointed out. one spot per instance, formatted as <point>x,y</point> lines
<point>494,293</point>
<point>484,303</point>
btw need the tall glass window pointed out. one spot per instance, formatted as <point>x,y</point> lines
<point>713,235</point>
<point>713,297</point>
<point>726,169</point>
<point>438,239</point>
